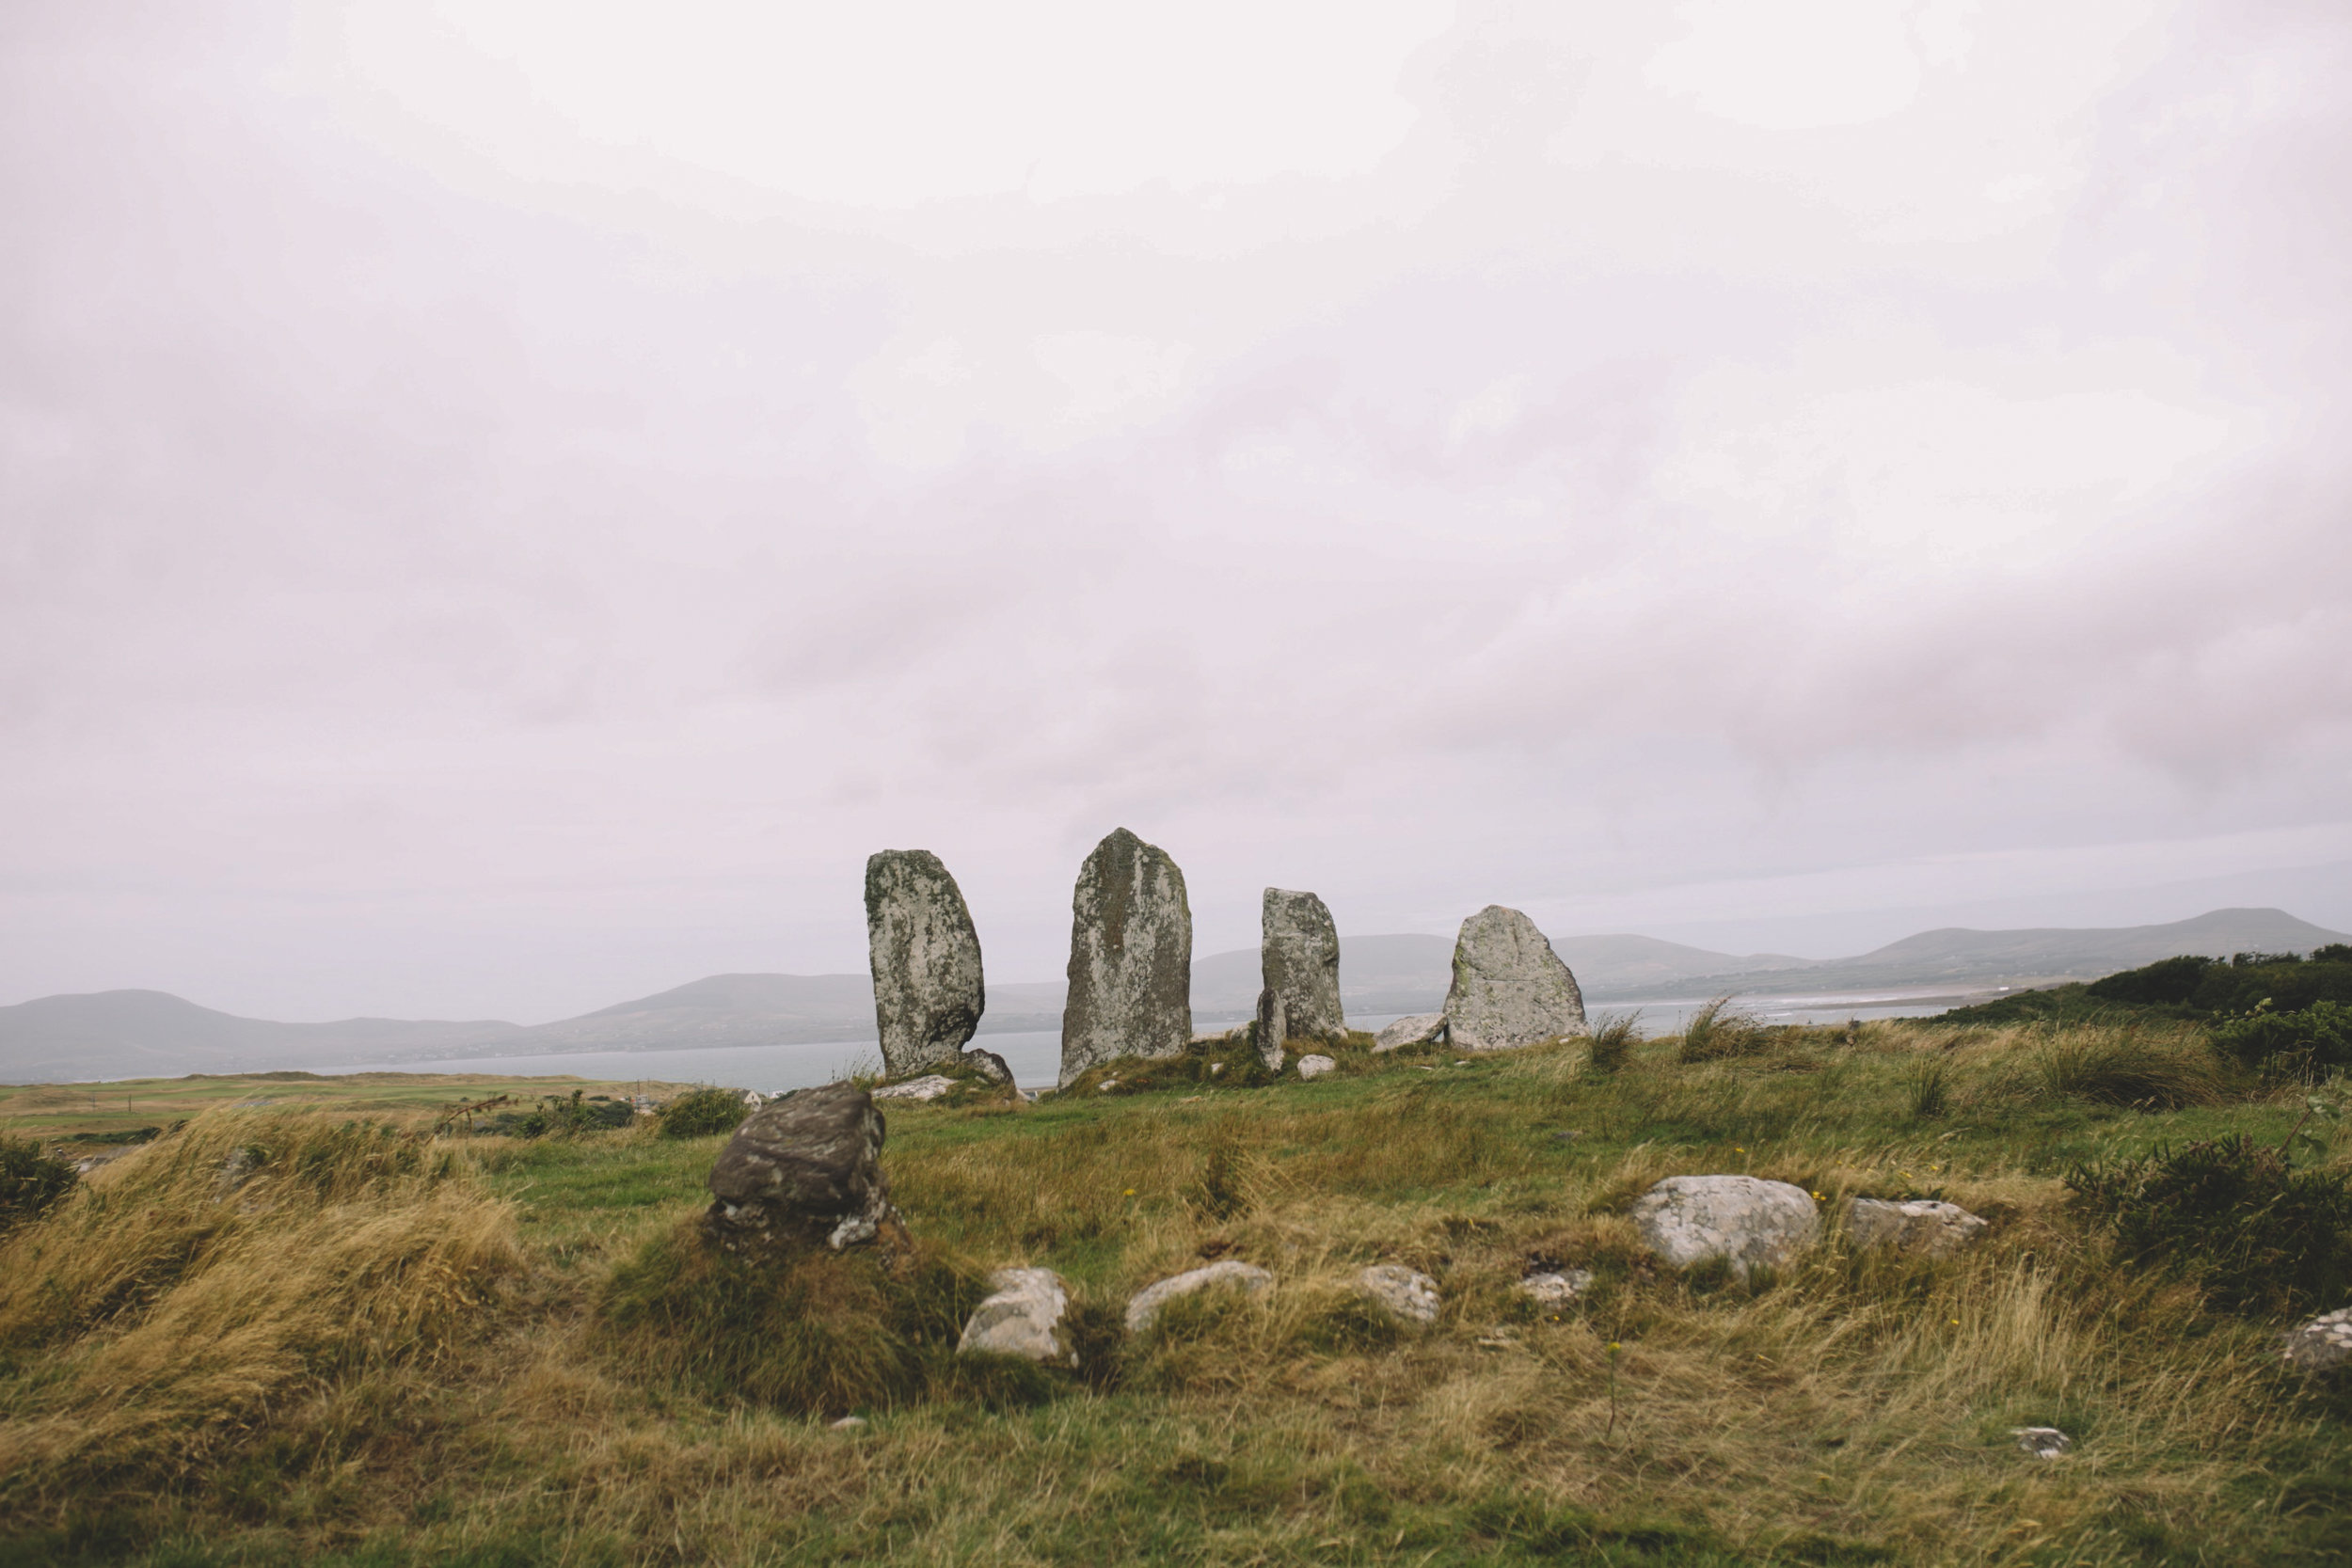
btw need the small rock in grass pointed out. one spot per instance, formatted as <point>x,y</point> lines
<point>1557,1290</point>
<point>2042,1442</point>
<point>990,1064</point>
<point>1216,1067</point>
<point>1315,1066</point>
<point>932,1087</point>
<point>1106,1086</point>
<point>1419,1029</point>
<point>1401,1291</point>
<point>2321,1345</point>
<point>849,1423</point>
<point>1143,1308</point>
<point>1937,1229</point>
<point>1023,1318</point>
<point>1744,1220</point>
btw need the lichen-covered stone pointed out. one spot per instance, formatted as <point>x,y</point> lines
<point>990,1066</point>
<point>1300,956</point>
<point>1270,1029</point>
<point>2321,1345</point>
<point>1913,1226</point>
<point>1510,988</point>
<point>1130,958</point>
<point>928,991</point>
<point>1400,1291</point>
<point>1418,1029</point>
<point>1315,1066</point>
<point>1748,1222</point>
<point>1143,1308</point>
<point>936,1086</point>
<point>1023,1318</point>
<point>802,1171</point>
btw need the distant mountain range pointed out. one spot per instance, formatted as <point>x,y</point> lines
<point>126,1034</point>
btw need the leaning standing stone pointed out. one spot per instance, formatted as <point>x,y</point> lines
<point>804,1171</point>
<point>927,990</point>
<point>1130,958</point>
<point>1748,1222</point>
<point>1510,988</point>
<point>1299,955</point>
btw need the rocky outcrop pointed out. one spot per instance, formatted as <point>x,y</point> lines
<point>1270,1029</point>
<point>1401,1293</point>
<point>1419,1029</point>
<point>1510,988</point>
<point>1300,956</point>
<point>1130,958</point>
<point>1143,1308</point>
<point>1747,1222</point>
<point>929,994</point>
<point>1915,1226</point>
<point>1023,1318</point>
<point>802,1171</point>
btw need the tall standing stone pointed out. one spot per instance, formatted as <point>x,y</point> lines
<point>927,990</point>
<point>1130,958</point>
<point>1510,988</point>
<point>1300,955</point>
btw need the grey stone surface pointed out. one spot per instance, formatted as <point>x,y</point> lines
<point>1510,988</point>
<point>1742,1219</point>
<point>932,1087</point>
<point>804,1170</point>
<point>2321,1345</point>
<point>2042,1442</point>
<point>1913,1226</point>
<point>1298,955</point>
<point>1270,1029</point>
<point>929,994</point>
<point>1557,1289</point>
<point>1023,1318</point>
<point>1419,1029</point>
<point>991,1066</point>
<point>1144,1305</point>
<point>1314,1065</point>
<point>1401,1293</point>
<point>1130,958</point>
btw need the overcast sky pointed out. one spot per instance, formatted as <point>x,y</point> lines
<point>506,504</point>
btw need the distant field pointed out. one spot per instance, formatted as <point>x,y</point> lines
<point>49,1111</point>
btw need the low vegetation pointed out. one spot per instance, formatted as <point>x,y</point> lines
<point>283,1338</point>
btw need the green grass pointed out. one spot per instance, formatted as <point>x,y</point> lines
<point>619,1395</point>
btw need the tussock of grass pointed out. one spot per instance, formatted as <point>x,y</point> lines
<point>2164,1071</point>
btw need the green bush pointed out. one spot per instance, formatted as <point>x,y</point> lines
<point>699,1113</point>
<point>2256,1233</point>
<point>2301,1045</point>
<point>2166,980</point>
<point>31,1182</point>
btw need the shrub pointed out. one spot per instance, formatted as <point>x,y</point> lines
<point>1613,1042</point>
<point>2122,1067</point>
<point>1717,1031</point>
<point>31,1182</point>
<point>2166,980</point>
<point>699,1113</point>
<point>2302,1045</point>
<point>2232,1212</point>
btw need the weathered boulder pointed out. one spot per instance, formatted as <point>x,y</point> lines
<point>1401,1293</point>
<point>1419,1029</point>
<point>1555,1288</point>
<point>1298,954</point>
<point>1023,1318</point>
<point>1913,1226</point>
<point>1130,958</point>
<point>1744,1220</point>
<point>1143,1308</point>
<point>2321,1345</point>
<point>934,1085</point>
<point>1270,1030</point>
<point>804,1170</point>
<point>2042,1442</point>
<point>990,1066</point>
<point>1314,1065</point>
<point>929,994</point>
<point>1510,988</point>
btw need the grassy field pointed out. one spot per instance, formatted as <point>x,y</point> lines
<point>380,1348</point>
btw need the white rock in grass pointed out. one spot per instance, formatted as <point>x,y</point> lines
<point>1557,1290</point>
<point>1143,1308</point>
<point>930,1088</point>
<point>1401,1291</point>
<point>1916,1226</point>
<point>2042,1442</point>
<point>2321,1345</point>
<point>1744,1220</point>
<point>1419,1029</point>
<point>1315,1066</point>
<point>1023,1318</point>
